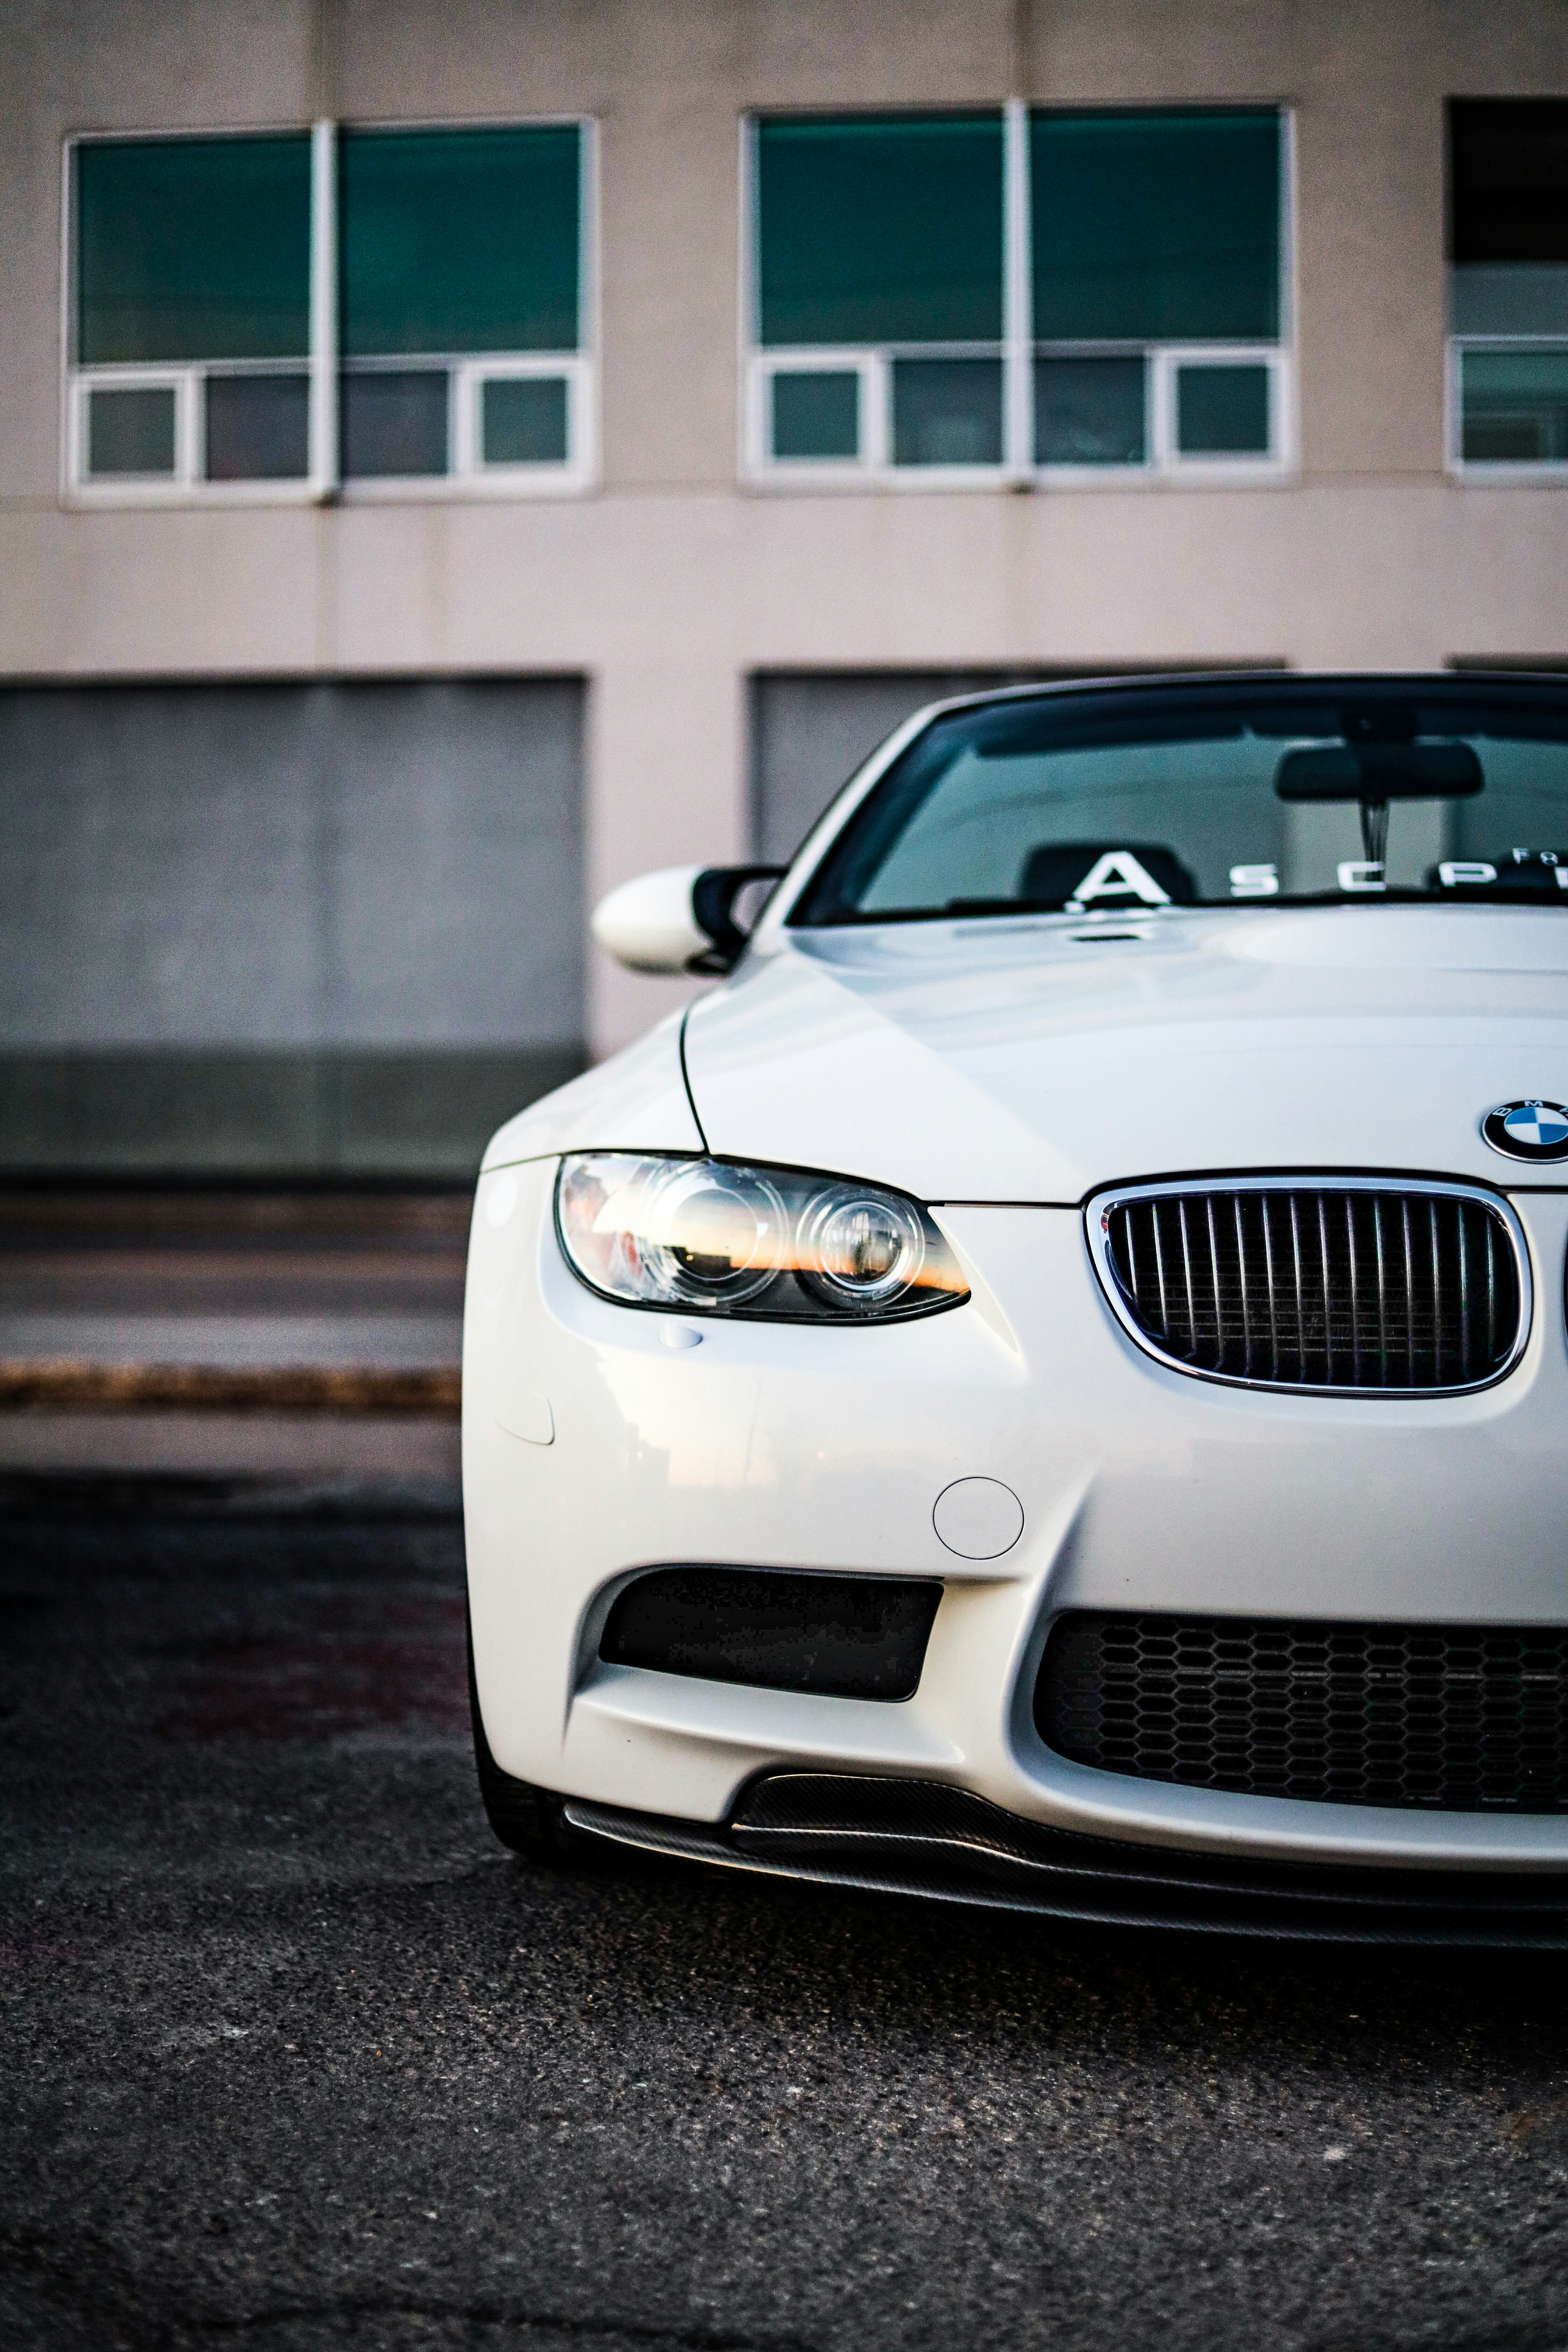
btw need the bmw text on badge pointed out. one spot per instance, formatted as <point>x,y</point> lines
<point>1527,1130</point>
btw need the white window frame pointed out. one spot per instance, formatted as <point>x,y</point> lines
<point>760,362</point>
<point>465,476</point>
<point>573,472</point>
<point>1163,463</point>
<point>1167,361</point>
<point>138,489</point>
<point>467,374</point>
<point>869,365</point>
<point>1499,472</point>
<point>1163,459</point>
<point>188,480</point>
<point>874,365</point>
<point>187,485</point>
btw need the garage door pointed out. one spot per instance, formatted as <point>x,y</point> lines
<point>271,928</point>
<point>810,732</point>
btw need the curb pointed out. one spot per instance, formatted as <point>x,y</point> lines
<point>63,1383</point>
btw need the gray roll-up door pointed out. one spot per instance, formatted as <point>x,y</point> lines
<point>281,927</point>
<point>811,731</point>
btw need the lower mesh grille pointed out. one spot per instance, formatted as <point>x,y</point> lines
<point>1448,1718</point>
<point>1315,1286</point>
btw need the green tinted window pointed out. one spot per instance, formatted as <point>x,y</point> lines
<point>524,421</point>
<point>1222,412</point>
<point>1514,406</point>
<point>880,230</point>
<point>130,429</point>
<point>817,413</point>
<point>458,240</point>
<point>1156,227</point>
<point>193,248</point>
<point>1091,409</point>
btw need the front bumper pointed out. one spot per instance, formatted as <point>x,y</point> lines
<point>772,1445</point>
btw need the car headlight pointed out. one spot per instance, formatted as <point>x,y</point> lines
<point>711,1237</point>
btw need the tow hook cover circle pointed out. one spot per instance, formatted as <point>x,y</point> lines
<point>978,1518</point>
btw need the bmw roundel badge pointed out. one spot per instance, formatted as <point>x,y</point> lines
<point>1527,1130</point>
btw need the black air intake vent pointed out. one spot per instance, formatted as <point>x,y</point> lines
<point>841,1636</point>
<point>1454,1719</point>
<point>1310,1285</point>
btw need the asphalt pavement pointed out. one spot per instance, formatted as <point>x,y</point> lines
<point>293,2055</point>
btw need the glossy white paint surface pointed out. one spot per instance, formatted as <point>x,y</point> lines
<point>647,924</point>
<point>1032,1059</point>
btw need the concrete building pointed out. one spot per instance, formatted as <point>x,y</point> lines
<point>453,458</point>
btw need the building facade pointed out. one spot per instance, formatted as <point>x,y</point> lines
<point>453,459</point>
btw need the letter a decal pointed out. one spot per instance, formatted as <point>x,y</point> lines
<point>1119,875</point>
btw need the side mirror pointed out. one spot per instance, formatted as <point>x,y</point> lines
<point>681,920</point>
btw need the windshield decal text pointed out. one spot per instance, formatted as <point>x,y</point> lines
<point>1117,875</point>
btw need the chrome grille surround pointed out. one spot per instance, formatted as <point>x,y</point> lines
<point>1319,1283</point>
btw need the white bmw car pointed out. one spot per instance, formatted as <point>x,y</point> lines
<point>1049,1387</point>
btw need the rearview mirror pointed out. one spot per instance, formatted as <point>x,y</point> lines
<point>681,920</point>
<point>1379,772</point>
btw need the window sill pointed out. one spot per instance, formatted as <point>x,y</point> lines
<point>139,497</point>
<point>1227,474</point>
<point>1535,474</point>
<point>468,489</point>
<point>88,497</point>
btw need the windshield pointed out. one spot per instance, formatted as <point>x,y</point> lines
<point>1125,800</point>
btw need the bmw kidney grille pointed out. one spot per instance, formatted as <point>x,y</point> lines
<point>1302,1285</point>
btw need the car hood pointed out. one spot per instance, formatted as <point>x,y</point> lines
<point>1037,1058</point>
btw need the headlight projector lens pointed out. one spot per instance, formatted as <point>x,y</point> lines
<point>715,1237</point>
<point>864,1247</point>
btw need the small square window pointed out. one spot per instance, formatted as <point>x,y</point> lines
<point>817,413</point>
<point>947,411</point>
<point>131,431</point>
<point>1514,407</point>
<point>523,420</point>
<point>394,423</point>
<point>1090,410</point>
<point>258,428</point>
<point>1223,411</point>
